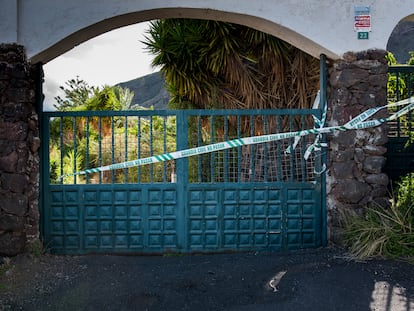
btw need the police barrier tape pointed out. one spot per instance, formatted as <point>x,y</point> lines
<point>359,122</point>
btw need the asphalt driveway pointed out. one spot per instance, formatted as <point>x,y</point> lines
<point>323,279</point>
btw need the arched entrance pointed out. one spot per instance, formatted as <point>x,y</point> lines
<point>61,27</point>
<point>233,203</point>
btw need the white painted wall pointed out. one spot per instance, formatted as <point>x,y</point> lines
<point>8,21</point>
<point>48,28</point>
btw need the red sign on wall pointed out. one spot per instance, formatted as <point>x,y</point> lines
<point>362,23</point>
<point>362,18</point>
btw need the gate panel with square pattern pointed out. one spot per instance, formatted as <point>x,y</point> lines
<point>256,197</point>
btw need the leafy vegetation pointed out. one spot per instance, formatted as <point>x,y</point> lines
<point>383,232</point>
<point>77,143</point>
<point>399,86</point>
<point>211,64</point>
<point>80,96</point>
<point>109,140</point>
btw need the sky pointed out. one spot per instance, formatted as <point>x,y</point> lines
<point>114,57</point>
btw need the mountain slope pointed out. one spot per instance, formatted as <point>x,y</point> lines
<point>149,91</point>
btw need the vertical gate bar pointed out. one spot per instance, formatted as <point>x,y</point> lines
<point>292,154</point>
<point>87,149</point>
<point>323,101</point>
<point>126,179</point>
<point>75,152</point>
<point>164,164</point>
<point>213,155</point>
<point>226,165</point>
<point>112,148</point>
<point>44,153</point>
<point>100,147</point>
<point>60,147</point>
<point>239,151</point>
<point>45,175</point>
<point>409,115</point>
<point>265,153</point>
<point>252,150</point>
<point>139,150</point>
<point>45,223</point>
<point>182,180</point>
<point>199,157</point>
<point>303,148</point>
<point>279,153</point>
<point>151,150</point>
<point>398,98</point>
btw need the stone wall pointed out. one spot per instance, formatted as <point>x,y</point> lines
<point>356,158</point>
<point>19,144</point>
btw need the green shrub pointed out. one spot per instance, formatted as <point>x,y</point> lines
<point>383,232</point>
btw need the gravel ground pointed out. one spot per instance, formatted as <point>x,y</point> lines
<point>323,279</point>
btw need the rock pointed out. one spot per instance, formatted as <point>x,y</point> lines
<point>343,155</point>
<point>350,57</point>
<point>16,183</point>
<point>346,139</point>
<point>359,155</point>
<point>343,170</point>
<point>15,111</point>
<point>349,77</point>
<point>368,99</point>
<point>380,136</point>
<point>374,150</point>
<point>9,222</point>
<point>19,71</point>
<point>12,243</point>
<point>374,164</point>
<point>13,131</point>
<point>14,203</point>
<point>379,191</point>
<point>378,79</point>
<point>9,163</point>
<point>35,144</point>
<point>351,191</point>
<point>379,179</point>
<point>343,96</point>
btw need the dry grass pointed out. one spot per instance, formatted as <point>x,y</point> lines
<point>380,232</point>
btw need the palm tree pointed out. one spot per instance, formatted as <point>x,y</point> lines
<point>210,64</point>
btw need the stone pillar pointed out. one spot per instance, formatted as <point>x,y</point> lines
<point>356,158</point>
<point>19,159</point>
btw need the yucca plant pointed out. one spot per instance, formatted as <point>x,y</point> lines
<point>211,64</point>
<point>383,232</point>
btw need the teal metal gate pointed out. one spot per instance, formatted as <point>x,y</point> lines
<point>255,197</point>
<point>400,151</point>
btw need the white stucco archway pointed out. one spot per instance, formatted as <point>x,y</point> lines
<point>51,27</point>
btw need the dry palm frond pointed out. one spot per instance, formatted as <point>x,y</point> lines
<point>213,64</point>
<point>380,231</point>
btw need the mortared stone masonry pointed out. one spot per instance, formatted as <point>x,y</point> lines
<point>356,158</point>
<point>19,158</point>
